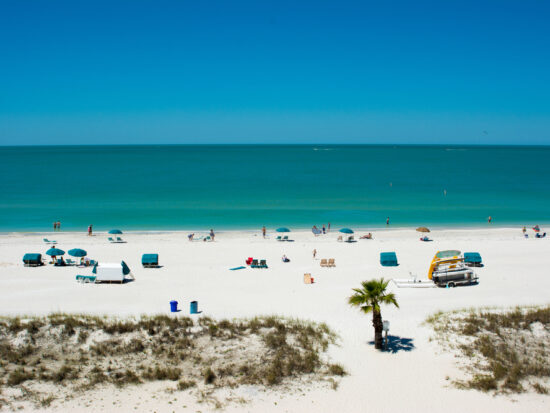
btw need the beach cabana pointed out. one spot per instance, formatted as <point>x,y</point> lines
<point>111,272</point>
<point>472,258</point>
<point>32,260</point>
<point>150,260</point>
<point>388,259</point>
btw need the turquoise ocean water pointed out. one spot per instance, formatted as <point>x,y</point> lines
<point>247,186</point>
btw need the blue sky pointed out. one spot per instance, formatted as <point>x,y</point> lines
<point>97,72</point>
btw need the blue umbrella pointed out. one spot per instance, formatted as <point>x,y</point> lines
<point>115,231</point>
<point>346,231</point>
<point>282,229</point>
<point>54,252</point>
<point>77,252</point>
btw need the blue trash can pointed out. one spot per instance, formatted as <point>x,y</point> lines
<point>173,306</point>
<point>194,307</point>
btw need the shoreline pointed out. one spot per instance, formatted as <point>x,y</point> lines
<point>457,227</point>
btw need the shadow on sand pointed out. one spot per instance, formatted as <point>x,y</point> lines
<point>397,344</point>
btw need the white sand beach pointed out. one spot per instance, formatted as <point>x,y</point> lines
<point>414,377</point>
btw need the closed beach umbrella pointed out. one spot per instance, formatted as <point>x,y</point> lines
<point>115,231</point>
<point>282,229</point>
<point>422,229</point>
<point>346,231</point>
<point>77,252</point>
<point>54,252</point>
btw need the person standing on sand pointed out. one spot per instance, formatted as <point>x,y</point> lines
<point>324,229</point>
<point>524,230</point>
<point>263,231</point>
<point>314,253</point>
<point>90,230</point>
<point>212,234</point>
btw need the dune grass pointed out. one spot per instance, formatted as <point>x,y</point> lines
<point>503,351</point>
<point>70,353</point>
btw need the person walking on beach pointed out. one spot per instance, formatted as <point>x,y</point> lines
<point>324,229</point>
<point>388,221</point>
<point>212,234</point>
<point>314,253</point>
<point>263,231</point>
<point>90,230</point>
<point>524,230</point>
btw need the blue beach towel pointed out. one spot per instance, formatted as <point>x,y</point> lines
<point>237,268</point>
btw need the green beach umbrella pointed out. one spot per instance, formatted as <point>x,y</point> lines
<point>115,231</point>
<point>77,252</point>
<point>346,231</point>
<point>54,252</point>
<point>282,229</point>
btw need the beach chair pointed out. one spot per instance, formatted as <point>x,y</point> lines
<point>69,261</point>
<point>472,259</point>
<point>111,239</point>
<point>32,260</point>
<point>331,262</point>
<point>47,241</point>
<point>340,239</point>
<point>308,279</point>
<point>86,279</point>
<point>388,259</point>
<point>150,260</point>
<point>324,262</point>
<point>254,264</point>
<point>279,238</point>
<point>118,239</point>
<point>285,238</point>
<point>263,264</point>
<point>350,239</point>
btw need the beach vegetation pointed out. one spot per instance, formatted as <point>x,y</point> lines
<point>65,354</point>
<point>18,376</point>
<point>369,298</point>
<point>186,384</point>
<point>502,351</point>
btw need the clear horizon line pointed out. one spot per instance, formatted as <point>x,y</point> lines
<point>281,144</point>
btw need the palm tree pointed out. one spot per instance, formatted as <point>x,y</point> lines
<point>369,298</point>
